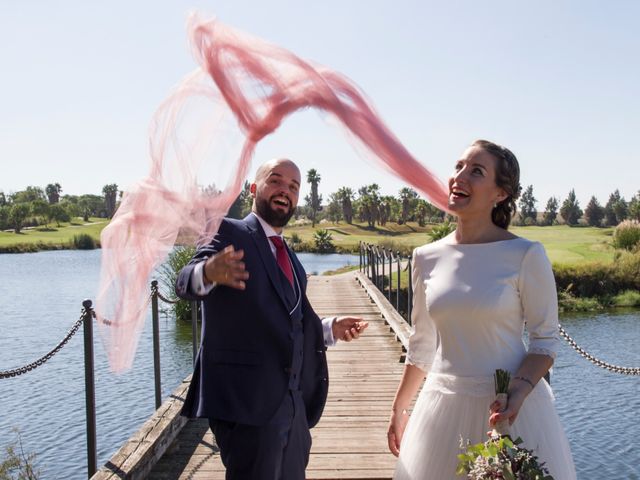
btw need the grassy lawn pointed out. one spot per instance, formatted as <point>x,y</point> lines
<point>563,244</point>
<point>53,235</point>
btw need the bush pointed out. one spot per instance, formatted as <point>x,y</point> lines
<point>442,230</point>
<point>177,259</point>
<point>630,298</point>
<point>599,279</point>
<point>294,241</point>
<point>627,235</point>
<point>16,463</point>
<point>395,247</point>
<point>323,241</point>
<point>83,241</point>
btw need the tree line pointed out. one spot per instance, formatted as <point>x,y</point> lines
<point>368,205</point>
<point>35,206</point>
<point>615,211</point>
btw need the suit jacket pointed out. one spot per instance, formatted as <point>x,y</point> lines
<point>242,368</point>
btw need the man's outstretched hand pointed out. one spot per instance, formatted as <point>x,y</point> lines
<point>348,328</point>
<point>226,268</point>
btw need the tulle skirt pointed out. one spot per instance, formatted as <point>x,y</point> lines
<point>451,410</point>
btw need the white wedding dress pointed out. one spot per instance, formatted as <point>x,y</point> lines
<point>471,303</point>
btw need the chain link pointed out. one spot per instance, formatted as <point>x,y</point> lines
<point>32,366</point>
<point>597,361</point>
<point>156,291</point>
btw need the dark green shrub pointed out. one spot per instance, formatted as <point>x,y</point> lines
<point>442,230</point>
<point>323,241</point>
<point>177,259</point>
<point>83,241</point>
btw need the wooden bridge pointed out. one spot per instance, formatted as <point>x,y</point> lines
<point>350,440</point>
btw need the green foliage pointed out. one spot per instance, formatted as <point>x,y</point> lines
<point>294,241</point>
<point>110,193</point>
<point>29,194</point>
<point>527,206</point>
<point>83,241</point>
<point>627,235</point>
<point>4,216</point>
<point>16,464</point>
<point>323,241</point>
<point>616,209</point>
<point>345,195</point>
<point>58,213</point>
<point>500,458</point>
<point>594,213</point>
<point>241,207</point>
<point>17,215</point>
<point>550,212</point>
<point>570,303</point>
<point>628,298</point>
<point>634,207</point>
<point>177,259</point>
<point>599,280</point>
<point>395,247</point>
<point>53,191</point>
<point>441,231</point>
<point>334,209</point>
<point>570,210</point>
<point>314,200</point>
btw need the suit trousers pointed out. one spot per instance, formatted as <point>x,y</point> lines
<point>278,450</point>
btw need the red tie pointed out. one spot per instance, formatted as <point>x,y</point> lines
<point>282,257</point>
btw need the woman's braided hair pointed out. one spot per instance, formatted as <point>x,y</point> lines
<point>507,178</point>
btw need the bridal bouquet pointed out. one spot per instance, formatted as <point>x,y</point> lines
<point>500,457</point>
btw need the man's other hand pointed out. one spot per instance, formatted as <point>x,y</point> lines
<point>348,328</point>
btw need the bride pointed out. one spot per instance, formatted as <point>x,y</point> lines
<point>474,291</point>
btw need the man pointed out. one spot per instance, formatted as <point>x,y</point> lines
<point>261,373</point>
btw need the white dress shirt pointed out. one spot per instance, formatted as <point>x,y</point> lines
<point>198,285</point>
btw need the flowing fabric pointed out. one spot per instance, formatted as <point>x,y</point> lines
<point>255,85</point>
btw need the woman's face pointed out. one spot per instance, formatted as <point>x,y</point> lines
<point>472,187</point>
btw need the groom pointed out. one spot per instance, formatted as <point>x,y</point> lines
<point>261,373</point>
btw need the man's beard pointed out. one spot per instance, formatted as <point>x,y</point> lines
<point>273,217</point>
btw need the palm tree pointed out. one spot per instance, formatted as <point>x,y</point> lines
<point>53,191</point>
<point>313,178</point>
<point>345,194</point>
<point>110,193</point>
<point>407,196</point>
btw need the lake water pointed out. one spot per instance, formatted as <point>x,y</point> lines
<point>41,299</point>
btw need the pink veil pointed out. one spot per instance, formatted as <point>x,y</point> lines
<point>241,80</point>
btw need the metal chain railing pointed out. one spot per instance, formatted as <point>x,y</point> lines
<point>595,360</point>
<point>33,365</point>
<point>371,257</point>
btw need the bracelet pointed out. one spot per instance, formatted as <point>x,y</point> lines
<point>404,411</point>
<point>524,379</point>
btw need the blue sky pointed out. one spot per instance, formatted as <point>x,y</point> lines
<point>558,82</point>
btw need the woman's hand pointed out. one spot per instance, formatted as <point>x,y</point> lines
<point>397,424</point>
<point>518,391</point>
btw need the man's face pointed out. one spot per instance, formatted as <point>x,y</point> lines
<point>276,192</point>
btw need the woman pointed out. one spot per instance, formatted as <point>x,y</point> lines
<point>473,292</point>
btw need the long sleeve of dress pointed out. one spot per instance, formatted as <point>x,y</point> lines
<point>423,339</point>
<point>539,301</point>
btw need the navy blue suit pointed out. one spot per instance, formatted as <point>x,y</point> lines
<point>258,344</point>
